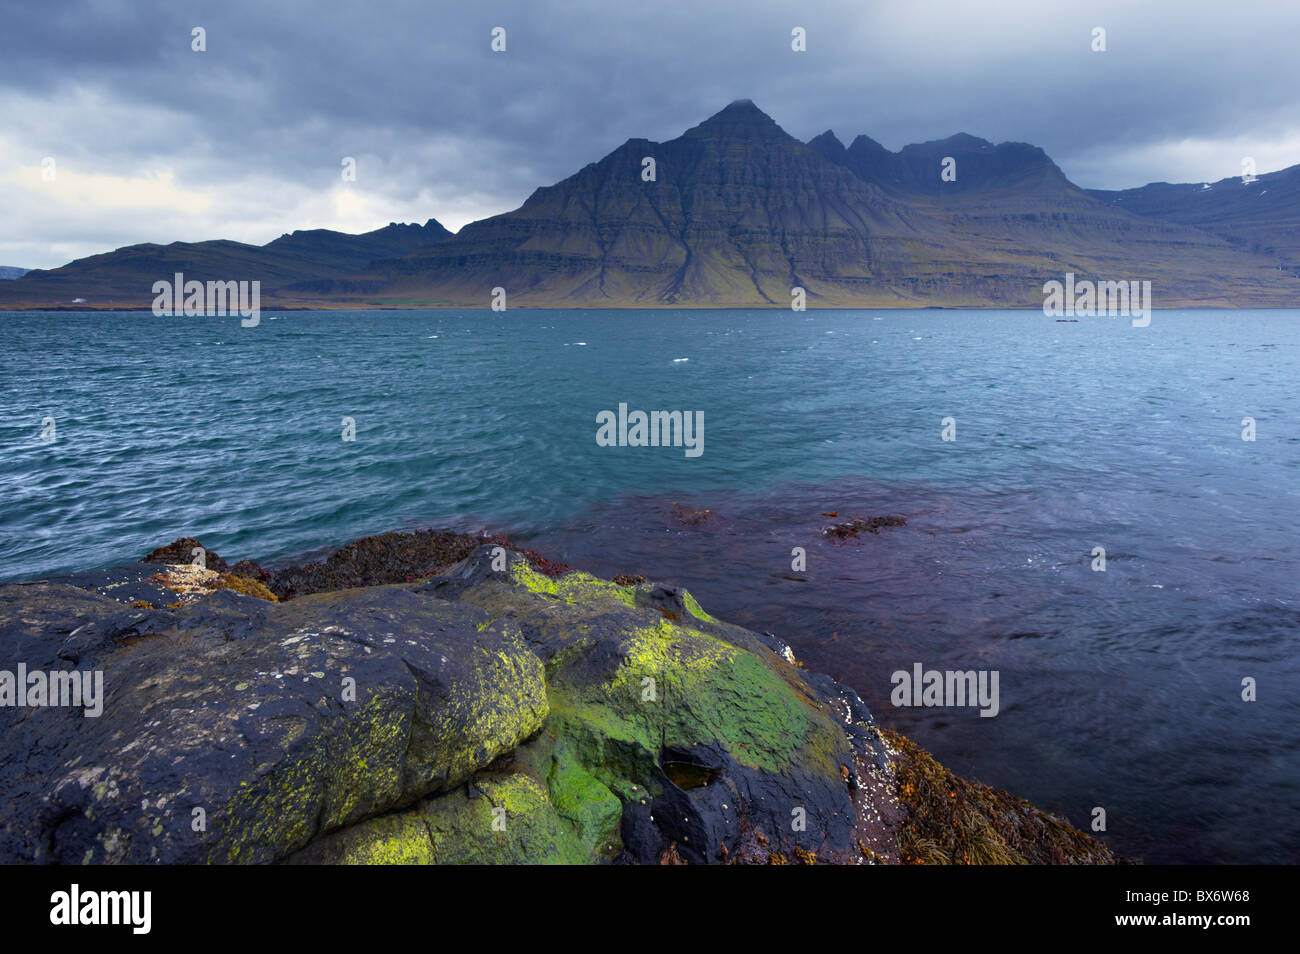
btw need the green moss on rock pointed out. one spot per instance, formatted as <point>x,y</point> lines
<point>572,587</point>
<point>501,818</point>
<point>695,609</point>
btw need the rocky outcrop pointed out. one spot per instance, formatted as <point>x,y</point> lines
<point>667,728</point>
<point>489,713</point>
<point>237,730</point>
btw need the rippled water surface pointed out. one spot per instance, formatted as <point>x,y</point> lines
<point>1118,689</point>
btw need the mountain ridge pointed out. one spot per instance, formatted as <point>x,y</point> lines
<point>123,277</point>
<point>1233,208</point>
<point>736,212</point>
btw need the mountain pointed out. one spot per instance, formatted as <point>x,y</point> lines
<point>978,165</point>
<point>125,277</point>
<point>11,271</point>
<point>1261,216</point>
<point>738,212</point>
<point>1013,204</point>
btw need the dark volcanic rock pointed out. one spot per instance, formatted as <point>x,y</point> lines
<point>132,583</point>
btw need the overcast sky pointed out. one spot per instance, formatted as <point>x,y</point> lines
<point>152,141</point>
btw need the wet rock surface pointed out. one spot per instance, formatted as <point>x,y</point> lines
<point>238,730</point>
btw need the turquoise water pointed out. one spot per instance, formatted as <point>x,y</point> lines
<point>1120,689</point>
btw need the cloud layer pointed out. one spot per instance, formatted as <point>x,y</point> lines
<point>152,141</point>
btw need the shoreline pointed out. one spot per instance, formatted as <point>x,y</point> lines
<point>562,736</point>
<point>768,306</point>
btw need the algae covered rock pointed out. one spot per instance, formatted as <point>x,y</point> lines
<point>662,730</point>
<point>503,818</point>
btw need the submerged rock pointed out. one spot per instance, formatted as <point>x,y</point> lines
<point>492,713</point>
<point>390,558</point>
<point>841,532</point>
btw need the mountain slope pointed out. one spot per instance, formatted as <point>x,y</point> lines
<point>125,277</point>
<point>1012,200</point>
<point>1261,216</point>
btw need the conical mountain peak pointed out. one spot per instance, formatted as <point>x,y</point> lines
<point>828,146</point>
<point>740,119</point>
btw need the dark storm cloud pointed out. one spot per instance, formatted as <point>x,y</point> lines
<point>444,127</point>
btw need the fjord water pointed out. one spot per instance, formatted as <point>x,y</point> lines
<point>1118,689</point>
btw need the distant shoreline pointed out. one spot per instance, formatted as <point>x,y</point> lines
<point>675,307</point>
